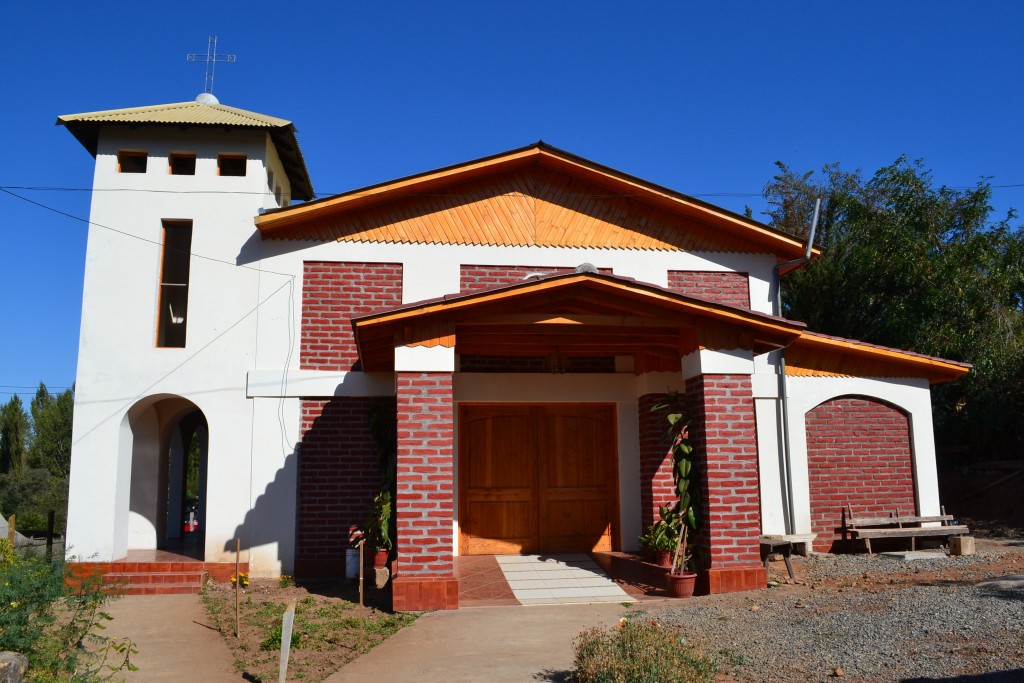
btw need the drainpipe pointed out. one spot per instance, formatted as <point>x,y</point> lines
<point>787,473</point>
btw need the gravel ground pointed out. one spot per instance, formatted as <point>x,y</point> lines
<point>873,618</point>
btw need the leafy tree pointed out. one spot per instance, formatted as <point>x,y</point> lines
<point>912,266</point>
<point>35,458</point>
<point>14,428</point>
<point>50,445</point>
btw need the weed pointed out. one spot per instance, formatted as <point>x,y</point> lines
<point>56,621</point>
<point>273,639</point>
<point>639,652</point>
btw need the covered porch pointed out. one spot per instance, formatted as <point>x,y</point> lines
<point>524,423</point>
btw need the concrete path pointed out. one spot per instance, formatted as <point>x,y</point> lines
<point>493,644</point>
<point>174,639</point>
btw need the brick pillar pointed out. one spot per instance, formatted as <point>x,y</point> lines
<point>655,459</point>
<point>726,448</point>
<point>424,578</point>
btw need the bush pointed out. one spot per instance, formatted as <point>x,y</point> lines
<point>638,652</point>
<point>57,624</point>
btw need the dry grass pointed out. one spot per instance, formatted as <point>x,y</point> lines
<point>329,631</point>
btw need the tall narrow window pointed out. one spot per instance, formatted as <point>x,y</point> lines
<point>131,162</point>
<point>231,164</point>
<point>174,284</point>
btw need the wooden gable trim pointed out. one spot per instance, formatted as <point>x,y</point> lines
<point>306,221</point>
<point>683,304</point>
<point>616,314</point>
<point>815,355</point>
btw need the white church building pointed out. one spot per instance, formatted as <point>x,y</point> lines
<point>510,320</point>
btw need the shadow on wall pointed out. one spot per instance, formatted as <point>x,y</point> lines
<point>332,477</point>
<point>263,523</point>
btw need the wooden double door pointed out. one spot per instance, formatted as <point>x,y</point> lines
<point>537,478</point>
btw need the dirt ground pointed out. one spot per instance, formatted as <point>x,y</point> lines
<point>330,629</point>
<point>334,631</point>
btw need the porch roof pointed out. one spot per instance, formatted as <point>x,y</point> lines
<point>821,355</point>
<point>582,314</point>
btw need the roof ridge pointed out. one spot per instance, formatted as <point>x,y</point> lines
<point>124,113</point>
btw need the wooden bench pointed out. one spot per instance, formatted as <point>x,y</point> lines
<point>777,545</point>
<point>900,526</point>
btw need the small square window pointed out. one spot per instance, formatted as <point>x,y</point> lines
<point>231,164</point>
<point>131,162</point>
<point>182,164</point>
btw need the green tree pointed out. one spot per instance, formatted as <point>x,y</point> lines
<point>50,442</point>
<point>918,267</point>
<point>14,429</point>
<point>35,458</point>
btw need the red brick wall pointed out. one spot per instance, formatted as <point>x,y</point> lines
<point>725,436</point>
<point>425,503</point>
<point>858,452</point>
<point>655,460</point>
<point>332,294</point>
<point>726,288</point>
<point>473,278</point>
<point>338,475</point>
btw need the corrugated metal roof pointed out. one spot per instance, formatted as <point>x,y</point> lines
<point>86,128</point>
<point>181,113</point>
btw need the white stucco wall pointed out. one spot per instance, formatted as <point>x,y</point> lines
<point>241,362</point>
<point>805,393</point>
<point>120,367</point>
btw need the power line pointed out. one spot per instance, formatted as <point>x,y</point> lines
<point>50,188</point>
<point>18,386</point>
<point>138,237</point>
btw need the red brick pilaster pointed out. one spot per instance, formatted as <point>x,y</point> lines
<point>655,460</point>
<point>726,447</point>
<point>424,504</point>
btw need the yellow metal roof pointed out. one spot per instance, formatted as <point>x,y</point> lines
<point>85,127</point>
<point>181,113</point>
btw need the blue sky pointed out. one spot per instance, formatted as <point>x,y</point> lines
<point>699,97</point>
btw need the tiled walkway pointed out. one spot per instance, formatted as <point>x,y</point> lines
<point>558,580</point>
<point>487,580</point>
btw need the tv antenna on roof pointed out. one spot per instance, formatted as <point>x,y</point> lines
<point>211,58</point>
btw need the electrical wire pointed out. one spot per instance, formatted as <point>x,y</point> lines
<point>50,188</point>
<point>138,237</point>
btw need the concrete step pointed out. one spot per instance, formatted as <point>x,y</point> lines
<point>142,582</point>
<point>163,589</point>
<point>137,578</point>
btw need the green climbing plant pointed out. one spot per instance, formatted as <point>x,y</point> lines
<point>685,476</point>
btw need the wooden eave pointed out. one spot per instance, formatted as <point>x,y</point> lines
<point>291,222</point>
<point>816,354</point>
<point>589,314</point>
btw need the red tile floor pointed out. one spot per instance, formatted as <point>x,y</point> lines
<point>482,583</point>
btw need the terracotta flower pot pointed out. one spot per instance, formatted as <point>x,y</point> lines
<point>380,558</point>
<point>663,558</point>
<point>681,585</point>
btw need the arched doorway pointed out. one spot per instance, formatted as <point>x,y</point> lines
<point>168,439</point>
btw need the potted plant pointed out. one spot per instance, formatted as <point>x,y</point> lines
<point>660,538</point>
<point>681,577</point>
<point>378,528</point>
